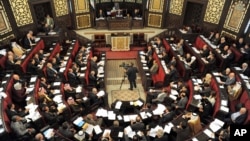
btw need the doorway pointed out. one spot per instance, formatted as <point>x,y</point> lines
<point>193,14</point>
<point>40,11</point>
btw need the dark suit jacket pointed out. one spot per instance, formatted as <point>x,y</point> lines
<point>66,133</point>
<point>93,66</point>
<point>138,126</point>
<point>167,117</point>
<point>241,119</point>
<point>131,72</point>
<point>163,138</point>
<point>26,43</point>
<point>183,134</point>
<point>205,53</point>
<point>173,75</point>
<point>50,73</point>
<point>246,72</point>
<point>92,80</point>
<point>93,98</point>
<point>72,78</point>
<point>11,113</point>
<point>10,65</point>
<point>32,68</point>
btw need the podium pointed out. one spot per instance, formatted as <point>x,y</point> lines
<point>120,42</point>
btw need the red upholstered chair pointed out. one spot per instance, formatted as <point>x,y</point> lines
<point>5,117</point>
<point>191,92</point>
<point>237,53</point>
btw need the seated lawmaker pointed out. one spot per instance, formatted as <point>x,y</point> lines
<point>48,23</point>
<point>17,50</point>
<point>29,40</point>
<point>237,117</point>
<point>101,14</point>
<point>137,13</point>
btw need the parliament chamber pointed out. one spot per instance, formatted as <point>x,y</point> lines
<point>124,70</point>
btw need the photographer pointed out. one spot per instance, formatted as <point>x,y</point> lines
<point>131,73</point>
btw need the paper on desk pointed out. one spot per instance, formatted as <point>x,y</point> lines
<point>57,91</point>
<point>119,117</point>
<point>237,68</point>
<point>225,109</point>
<point>214,127</point>
<point>149,114</point>
<point>128,129</point>
<point>209,133</point>
<point>111,115</point>
<point>167,128</point>
<point>118,105</point>
<point>138,103</point>
<point>82,74</point>
<point>79,89</point>
<point>132,117</point>
<point>106,132</point>
<point>173,97</point>
<point>62,69</point>
<point>97,129</point>
<point>126,118</point>
<point>216,74</point>
<point>244,76</point>
<point>48,133</point>
<point>174,92</point>
<point>120,134</point>
<point>143,115</point>
<point>131,134</point>
<point>90,128</point>
<point>197,96</point>
<point>224,102</point>
<point>100,93</point>
<point>57,83</point>
<point>219,122</point>
<point>195,139</point>
<point>79,122</point>
<point>102,112</point>
<point>33,79</point>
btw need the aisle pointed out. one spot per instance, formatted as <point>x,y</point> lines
<point>114,76</point>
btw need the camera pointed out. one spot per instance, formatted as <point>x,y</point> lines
<point>124,65</point>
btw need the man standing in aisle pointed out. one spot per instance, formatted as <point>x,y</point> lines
<point>131,73</point>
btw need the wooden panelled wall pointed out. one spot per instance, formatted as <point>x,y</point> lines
<point>17,17</point>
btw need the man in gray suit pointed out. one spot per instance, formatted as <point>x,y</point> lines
<point>19,128</point>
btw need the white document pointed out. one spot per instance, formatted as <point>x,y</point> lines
<point>128,129</point>
<point>111,115</point>
<point>173,97</point>
<point>197,97</point>
<point>209,133</point>
<point>224,102</point>
<point>126,118</point>
<point>174,92</point>
<point>120,134</point>
<point>119,117</point>
<point>225,109</point>
<point>100,93</point>
<point>167,129</point>
<point>97,129</point>
<point>143,115</point>
<point>90,128</point>
<point>118,105</point>
<point>106,132</point>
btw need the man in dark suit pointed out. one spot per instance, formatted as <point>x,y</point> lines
<point>29,40</point>
<point>168,115</point>
<point>237,117</point>
<point>245,69</point>
<point>137,125</point>
<point>73,78</point>
<point>11,111</point>
<point>51,72</point>
<point>228,58</point>
<point>92,79</point>
<point>173,74</point>
<point>131,73</point>
<point>32,68</point>
<point>183,131</point>
<point>67,131</point>
<point>93,65</point>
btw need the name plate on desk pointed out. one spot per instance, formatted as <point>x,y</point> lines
<point>120,43</point>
